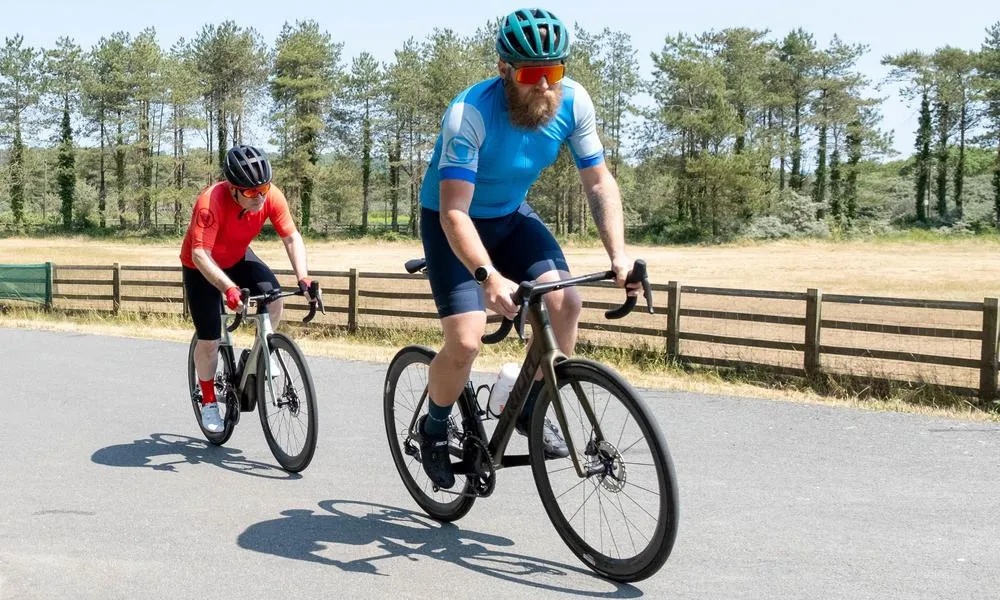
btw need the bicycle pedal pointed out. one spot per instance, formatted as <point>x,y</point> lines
<point>436,489</point>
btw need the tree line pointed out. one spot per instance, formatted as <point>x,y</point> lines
<point>742,133</point>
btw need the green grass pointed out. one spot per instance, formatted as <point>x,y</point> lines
<point>935,236</point>
<point>647,366</point>
<point>652,362</point>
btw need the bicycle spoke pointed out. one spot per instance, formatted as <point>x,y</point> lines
<point>632,445</point>
<point>583,504</point>
<point>581,482</point>
<point>553,471</point>
<point>621,509</point>
<point>600,505</point>
<point>607,404</point>
<point>621,434</point>
<point>635,527</point>
<point>641,507</point>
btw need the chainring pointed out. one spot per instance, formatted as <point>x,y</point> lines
<point>476,454</point>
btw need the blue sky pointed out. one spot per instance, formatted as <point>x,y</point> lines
<point>379,27</point>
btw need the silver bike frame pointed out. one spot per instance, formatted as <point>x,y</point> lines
<point>263,330</point>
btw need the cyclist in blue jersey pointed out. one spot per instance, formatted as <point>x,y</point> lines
<point>479,234</point>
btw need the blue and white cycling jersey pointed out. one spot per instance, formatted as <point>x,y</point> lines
<point>479,144</point>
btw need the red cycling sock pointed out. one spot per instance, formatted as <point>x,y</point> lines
<point>207,390</point>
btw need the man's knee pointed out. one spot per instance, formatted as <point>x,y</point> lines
<point>463,339</point>
<point>564,305</point>
<point>207,347</point>
<point>463,350</point>
<point>570,304</point>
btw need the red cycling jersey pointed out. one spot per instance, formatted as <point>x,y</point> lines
<point>220,226</point>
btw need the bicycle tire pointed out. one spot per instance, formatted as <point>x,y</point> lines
<point>300,399</point>
<point>615,486</point>
<point>231,415</point>
<point>407,465</point>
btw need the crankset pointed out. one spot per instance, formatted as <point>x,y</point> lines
<point>477,466</point>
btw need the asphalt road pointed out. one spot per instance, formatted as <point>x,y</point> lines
<point>108,491</point>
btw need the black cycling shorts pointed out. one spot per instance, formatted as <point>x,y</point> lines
<point>205,301</point>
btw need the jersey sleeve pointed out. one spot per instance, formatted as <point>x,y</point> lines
<point>584,142</point>
<point>205,219</point>
<point>462,135</point>
<point>279,214</point>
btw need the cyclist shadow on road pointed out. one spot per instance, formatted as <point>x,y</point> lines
<point>313,536</point>
<point>163,451</point>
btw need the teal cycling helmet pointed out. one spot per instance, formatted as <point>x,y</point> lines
<point>520,38</point>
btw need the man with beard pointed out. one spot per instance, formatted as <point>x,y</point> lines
<point>479,234</point>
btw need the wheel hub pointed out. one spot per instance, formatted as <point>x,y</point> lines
<point>607,465</point>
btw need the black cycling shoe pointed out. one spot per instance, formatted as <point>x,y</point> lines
<point>553,445</point>
<point>435,457</point>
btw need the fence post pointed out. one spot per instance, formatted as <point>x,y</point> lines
<point>673,321</point>
<point>49,286</point>
<point>814,314</point>
<point>116,291</point>
<point>990,368</point>
<point>352,301</point>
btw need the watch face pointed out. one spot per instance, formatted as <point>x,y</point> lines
<point>481,274</point>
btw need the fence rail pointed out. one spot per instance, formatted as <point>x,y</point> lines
<point>159,285</point>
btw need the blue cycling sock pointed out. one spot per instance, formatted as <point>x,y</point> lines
<point>436,424</point>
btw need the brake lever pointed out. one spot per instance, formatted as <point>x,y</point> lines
<point>647,291</point>
<point>317,295</point>
<point>519,318</point>
<point>241,313</point>
<point>637,275</point>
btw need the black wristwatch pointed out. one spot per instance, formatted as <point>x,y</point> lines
<point>482,273</point>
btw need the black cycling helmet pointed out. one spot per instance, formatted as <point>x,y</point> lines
<point>246,167</point>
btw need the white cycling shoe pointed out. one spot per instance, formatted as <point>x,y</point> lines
<point>211,420</point>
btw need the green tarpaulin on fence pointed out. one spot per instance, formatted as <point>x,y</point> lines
<point>27,282</point>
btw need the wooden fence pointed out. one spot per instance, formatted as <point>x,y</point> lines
<point>962,335</point>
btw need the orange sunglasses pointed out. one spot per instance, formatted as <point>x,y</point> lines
<point>533,74</point>
<point>260,190</point>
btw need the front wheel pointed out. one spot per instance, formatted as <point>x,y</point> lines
<point>620,517</point>
<point>288,416</point>
<point>225,393</point>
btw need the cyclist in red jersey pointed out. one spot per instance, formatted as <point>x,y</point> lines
<point>218,261</point>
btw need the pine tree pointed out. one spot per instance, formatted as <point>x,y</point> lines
<point>988,83</point>
<point>305,77</point>
<point>914,69</point>
<point>64,69</point>
<point>20,89</point>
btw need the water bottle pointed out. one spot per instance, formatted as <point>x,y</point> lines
<point>502,386</point>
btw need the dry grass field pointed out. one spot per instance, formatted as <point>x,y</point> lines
<point>966,270</point>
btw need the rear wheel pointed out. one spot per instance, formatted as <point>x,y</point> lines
<point>404,403</point>
<point>225,393</point>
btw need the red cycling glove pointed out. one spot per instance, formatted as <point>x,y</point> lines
<point>233,298</point>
